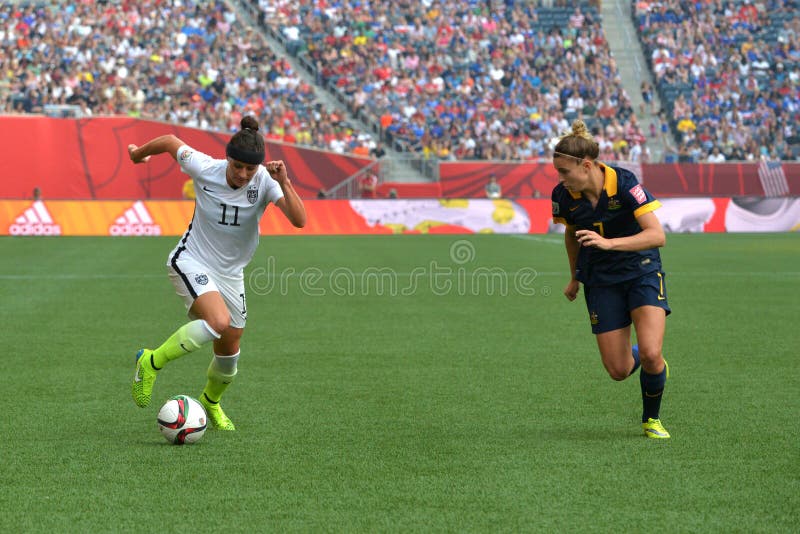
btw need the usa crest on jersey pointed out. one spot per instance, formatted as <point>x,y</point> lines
<point>252,194</point>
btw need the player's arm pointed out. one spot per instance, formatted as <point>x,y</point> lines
<point>290,204</point>
<point>166,143</point>
<point>651,236</point>
<point>572,246</point>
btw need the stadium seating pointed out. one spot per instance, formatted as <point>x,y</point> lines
<point>186,62</point>
<point>728,75</point>
<point>454,80</point>
<point>463,80</point>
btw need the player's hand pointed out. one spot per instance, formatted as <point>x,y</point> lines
<point>589,238</point>
<point>277,170</point>
<point>131,149</point>
<point>571,291</point>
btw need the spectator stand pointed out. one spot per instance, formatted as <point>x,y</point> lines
<point>187,62</point>
<point>460,80</point>
<point>728,75</point>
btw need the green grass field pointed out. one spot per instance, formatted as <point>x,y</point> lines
<point>393,384</point>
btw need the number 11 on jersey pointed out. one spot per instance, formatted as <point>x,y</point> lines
<point>224,219</point>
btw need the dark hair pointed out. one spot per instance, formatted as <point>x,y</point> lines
<point>248,137</point>
<point>578,144</point>
<point>247,145</point>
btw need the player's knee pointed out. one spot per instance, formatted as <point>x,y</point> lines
<point>618,374</point>
<point>617,370</point>
<point>649,357</point>
<point>219,322</point>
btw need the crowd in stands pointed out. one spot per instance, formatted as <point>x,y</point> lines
<point>728,73</point>
<point>469,79</point>
<point>466,79</point>
<point>186,62</point>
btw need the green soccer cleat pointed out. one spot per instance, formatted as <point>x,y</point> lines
<point>143,378</point>
<point>653,429</point>
<point>215,414</point>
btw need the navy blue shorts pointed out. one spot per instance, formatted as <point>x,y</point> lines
<point>610,306</point>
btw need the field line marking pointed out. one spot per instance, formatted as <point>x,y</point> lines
<point>539,239</point>
<point>79,276</point>
<point>382,271</point>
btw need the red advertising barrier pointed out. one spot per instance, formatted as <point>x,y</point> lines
<point>414,216</point>
<point>705,179</point>
<point>411,189</point>
<point>467,179</point>
<point>88,159</point>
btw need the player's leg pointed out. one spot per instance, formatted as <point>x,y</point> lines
<point>221,372</point>
<point>649,310</point>
<point>224,365</point>
<point>210,317</point>
<point>650,322</point>
<point>188,338</point>
<point>611,324</point>
<point>616,353</point>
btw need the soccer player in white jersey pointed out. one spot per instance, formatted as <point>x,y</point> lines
<point>207,265</point>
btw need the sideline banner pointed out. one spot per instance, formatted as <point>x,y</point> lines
<point>467,179</point>
<point>414,216</point>
<point>87,159</point>
<point>83,159</point>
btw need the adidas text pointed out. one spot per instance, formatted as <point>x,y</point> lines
<point>34,229</point>
<point>134,229</point>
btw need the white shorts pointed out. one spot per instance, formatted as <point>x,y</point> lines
<point>192,279</point>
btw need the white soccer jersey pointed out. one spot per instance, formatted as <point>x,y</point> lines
<point>223,234</point>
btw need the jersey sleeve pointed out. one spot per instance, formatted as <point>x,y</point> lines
<point>272,189</point>
<point>639,198</point>
<point>192,162</point>
<point>560,211</point>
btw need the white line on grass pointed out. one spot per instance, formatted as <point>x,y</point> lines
<point>540,239</point>
<point>382,271</point>
<point>79,276</point>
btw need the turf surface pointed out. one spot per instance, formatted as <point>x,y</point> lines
<point>396,384</point>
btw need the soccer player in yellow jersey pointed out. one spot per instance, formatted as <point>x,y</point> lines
<point>612,240</point>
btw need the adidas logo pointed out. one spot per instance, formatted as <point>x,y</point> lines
<point>36,220</point>
<point>135,221</point>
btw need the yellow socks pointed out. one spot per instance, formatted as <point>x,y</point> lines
<point>186,339</point>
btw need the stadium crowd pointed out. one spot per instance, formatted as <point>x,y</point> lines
<point>728,73</point>
<point>181,61</point>
<point>444,78</point>
<point>466,80</point>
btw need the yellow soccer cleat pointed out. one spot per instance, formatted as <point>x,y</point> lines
<point>215,414</point>
<point>143,379</point>
<point>654,429</point>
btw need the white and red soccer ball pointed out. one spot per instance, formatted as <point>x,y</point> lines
<point>182,420</point>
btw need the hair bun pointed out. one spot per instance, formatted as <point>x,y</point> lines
<point>250,123</point>
<point>579,128</point>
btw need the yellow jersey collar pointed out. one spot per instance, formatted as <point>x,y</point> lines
<point>609,182</point>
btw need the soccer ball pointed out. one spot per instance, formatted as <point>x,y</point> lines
<point>182,420</point>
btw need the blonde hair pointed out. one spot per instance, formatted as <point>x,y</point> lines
<point>578,144</point>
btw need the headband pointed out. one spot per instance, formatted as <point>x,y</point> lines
<point>568,156</point>
<point>245,156</point>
